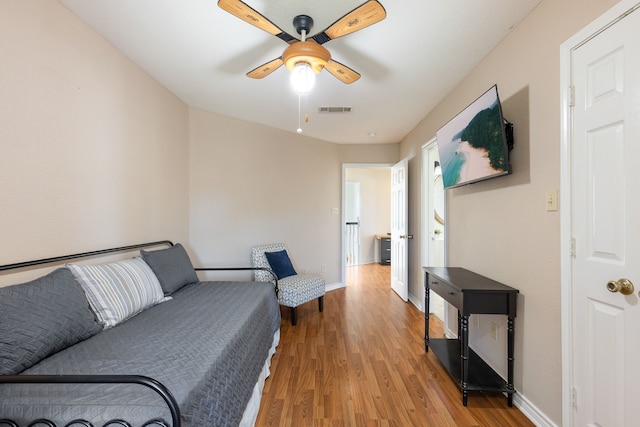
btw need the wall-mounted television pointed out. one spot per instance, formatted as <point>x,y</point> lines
<point>475,144</point>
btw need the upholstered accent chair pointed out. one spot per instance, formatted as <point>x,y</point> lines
<point>294,289</point>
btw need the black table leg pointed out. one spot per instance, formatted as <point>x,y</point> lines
<point>510,359</point>
<point>426,312</point>
<point>464,354</point>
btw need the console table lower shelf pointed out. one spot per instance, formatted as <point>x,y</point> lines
<point>481,376</point>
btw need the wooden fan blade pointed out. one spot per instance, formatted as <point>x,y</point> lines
<point>265,69</point>
<point>341,72</point>
<point>247,14</point>
<point>367,14</point>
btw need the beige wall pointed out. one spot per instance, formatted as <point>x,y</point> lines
<point>252,185</point>
<point>375,208</point>
<point>93,151</point>
<point>500,228</point>
<point>369,153</point>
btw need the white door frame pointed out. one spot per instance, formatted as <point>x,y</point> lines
<point>566,211</point>
<point>427,176</point>
<point>426,216</point>
<point>345,166</point>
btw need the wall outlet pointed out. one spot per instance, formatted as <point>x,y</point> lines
<point>322,269</point>
<point>494,331</point>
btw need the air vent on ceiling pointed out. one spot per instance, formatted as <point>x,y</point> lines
<point>334,109</point>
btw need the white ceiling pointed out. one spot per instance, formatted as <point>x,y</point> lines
<point>408,62</point>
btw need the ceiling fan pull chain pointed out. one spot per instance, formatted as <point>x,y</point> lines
<point>299,114</point>
<point>306,108</point>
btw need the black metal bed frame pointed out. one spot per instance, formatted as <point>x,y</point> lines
<point>151,383</point>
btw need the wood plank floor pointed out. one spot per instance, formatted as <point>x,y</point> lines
<point>362,363</point>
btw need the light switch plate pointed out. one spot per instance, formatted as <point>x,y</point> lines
<point>552,200</point>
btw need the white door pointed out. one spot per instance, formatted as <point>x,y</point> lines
<point>606,226</point>
<point>399,234</point>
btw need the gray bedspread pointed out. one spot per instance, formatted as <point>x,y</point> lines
<point>207,345</point>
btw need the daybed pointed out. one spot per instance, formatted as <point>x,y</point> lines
<point>197,356</point>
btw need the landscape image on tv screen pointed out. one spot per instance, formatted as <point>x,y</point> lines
<point>472,145</point>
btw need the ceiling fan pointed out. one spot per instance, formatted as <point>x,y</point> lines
<point>307,55</point>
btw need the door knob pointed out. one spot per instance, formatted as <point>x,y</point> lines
<point>624,286</point>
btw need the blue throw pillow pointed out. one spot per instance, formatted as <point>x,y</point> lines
<point>280,264</point>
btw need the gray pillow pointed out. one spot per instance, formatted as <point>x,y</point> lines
<point>171,266</point>
<point>42,317</point>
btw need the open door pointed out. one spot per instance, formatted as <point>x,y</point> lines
<point>399,233</point>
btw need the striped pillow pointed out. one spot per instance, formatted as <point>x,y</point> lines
<point>118,290</point>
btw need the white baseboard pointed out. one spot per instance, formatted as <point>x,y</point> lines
<point>532,412</point>
<point>416,301</point>
<point>333,287</point>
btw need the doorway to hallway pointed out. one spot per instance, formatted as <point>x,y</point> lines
<point>366,213</point>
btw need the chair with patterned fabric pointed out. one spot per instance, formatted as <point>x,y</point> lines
<point>294,289</point>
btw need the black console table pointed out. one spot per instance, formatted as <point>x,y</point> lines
<point>470,293</point>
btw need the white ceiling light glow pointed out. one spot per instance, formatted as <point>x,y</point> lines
<point>302,78</point>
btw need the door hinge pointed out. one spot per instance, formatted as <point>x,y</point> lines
<point>574,398</point>
<point>572,247</point>
<point>572,96</point>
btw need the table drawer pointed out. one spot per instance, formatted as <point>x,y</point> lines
<point>450,294</point>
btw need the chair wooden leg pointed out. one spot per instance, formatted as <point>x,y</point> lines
<point>294,311</point>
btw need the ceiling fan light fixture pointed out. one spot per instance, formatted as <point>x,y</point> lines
<point>302,78</point>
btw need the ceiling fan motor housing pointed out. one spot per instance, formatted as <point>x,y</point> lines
<point>308,51</point>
